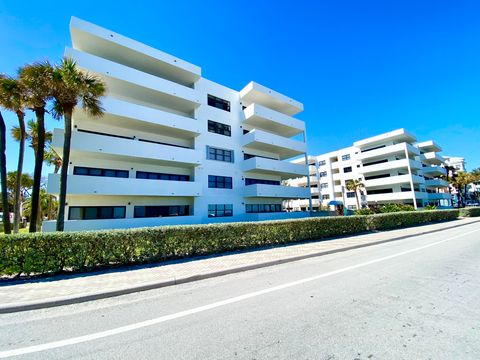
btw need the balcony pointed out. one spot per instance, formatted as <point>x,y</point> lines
<point>137,86</point>
<point>429,146</point>
<point>432,158</point>
<point>259,94</point>
<point>436,183</point>
<point>399,136</point>
<point>276,191</point>
<point>393,180</point>
<point>264,141</point>
<point>303,181</point>
<point>398,149</point>
<point>261,117</point>
<point>434,170</point>
<point>396,164</point>
<point>283,169</point>
<point>95,40</point>
<point>396,196</point>
<point>98,185</point>
<point>108,147</point>
<point>305,203</point>
<point>143,118</point>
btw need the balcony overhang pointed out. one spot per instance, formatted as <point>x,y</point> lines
<point>285,148</point>
<point>259,94</point>
<point>276,191</point>
<point>142,118</point>
<point>128,83</point>
<point>283,169</point>
<point>264,118</point>
<point>432,158</point>
<point>107,44</point>
<point>400,135</point>
<point>434,170</point>
<point>429,146</point>
<point>108,186</point>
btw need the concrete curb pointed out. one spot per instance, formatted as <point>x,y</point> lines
<point>75,299</point>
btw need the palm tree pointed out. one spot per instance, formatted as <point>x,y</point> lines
<point>70,88</point>
<point>52,158</point>
<point>31,135</point>
<point>37,79</point>
<point>460,182</point>
<point>356,186</point>
<point>3,176</point>
<point>12,97</point>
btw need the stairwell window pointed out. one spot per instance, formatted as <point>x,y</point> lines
<point>350,194</point>
<point>219,128</point>
<point>219,182</point>
<point>345,157</point>
<point>218,103</point>
<point>347,169</point>
<point>325,197</point>
<point>323,185</point>
<point>322,174</point>
<point>220,210</point>
<point>219,154</point>
<point>321,162</point>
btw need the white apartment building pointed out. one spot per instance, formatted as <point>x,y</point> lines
<point>393,167</point>
<point>458,163</point>
<point>174,147</point>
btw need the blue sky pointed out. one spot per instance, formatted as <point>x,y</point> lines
<point>359,67</point>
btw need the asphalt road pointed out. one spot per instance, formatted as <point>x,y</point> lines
<point>418,298</point>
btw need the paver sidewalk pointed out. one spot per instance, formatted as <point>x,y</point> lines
<point>76,288</point>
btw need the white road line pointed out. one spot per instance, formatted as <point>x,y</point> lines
<point>161,319</point>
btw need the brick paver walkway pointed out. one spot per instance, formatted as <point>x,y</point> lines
<point>86,284</point>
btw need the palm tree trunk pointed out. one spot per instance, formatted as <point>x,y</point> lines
<point>358,201</point>
<point>3,176</point>
<point>18,184</point>
<point>64,170</point>
<point>37,174</point>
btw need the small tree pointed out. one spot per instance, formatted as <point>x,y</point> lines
<point>356,186</point>
<point>70,88</point>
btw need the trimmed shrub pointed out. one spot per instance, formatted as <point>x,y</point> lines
<point>470,212</point>
<point>41,253</point>
<point>365,211</point>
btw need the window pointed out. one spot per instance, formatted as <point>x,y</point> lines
<point>96,212</point>
<point>219,128</point>
<point>249,181</point>
<point>323,185</point>
<point>218,103</point>
<point>161,176</point>
<point>351,207</point>
<point>325,197</point>
<point>321,162</point>
<point>322,174</point>
<point>351,194</point>
<point>219,182</point>
<point>263,208</point>
<point>345,157</point>
<point>219,154</point>
<point>347,169</point>
<point>160,211</point>
<point>220,210</point>
<point>88,171</point>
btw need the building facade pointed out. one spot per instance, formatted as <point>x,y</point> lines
<point>393,167</point>
<point>172,146</point>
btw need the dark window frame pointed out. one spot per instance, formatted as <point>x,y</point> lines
<point>220,210</point>
<point>98,211</point>
<point>161,176</point>
<point>218,103</point>
<point>102,172</point>
<point>220,182</point>
<point>252,181</point>
<point>151,211</point>
<point>263,208</point>
<point>219,128</point>
<point>218,154</point>
<point>347,169</point>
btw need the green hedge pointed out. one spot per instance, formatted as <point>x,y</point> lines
<point>41,253</point>
<point>470,212</point>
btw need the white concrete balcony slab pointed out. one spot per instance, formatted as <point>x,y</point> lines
<point>80,225</point>
<point>276,191</point>
<point>302,181</point>
<point>305,203</point>
<point>398,149</point>
<point>429,146</point>
<point>434,170</point>
<point>393,180</point>
<point>284,169</point>
<point>107,147</point>
<point>143,118</point>
<point>390,165</point>
<point>128,83</point>
<point>259,94</point>
<point>436,183</point>
<point>316,190</point>
<point>92,185</point>
<point>107,44</point>
<point>264,118</point>
<point>261,140</point>
<point>399,135</point>
<point>432,158</point>
<point>439,196</point>
<point>396,196</point>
